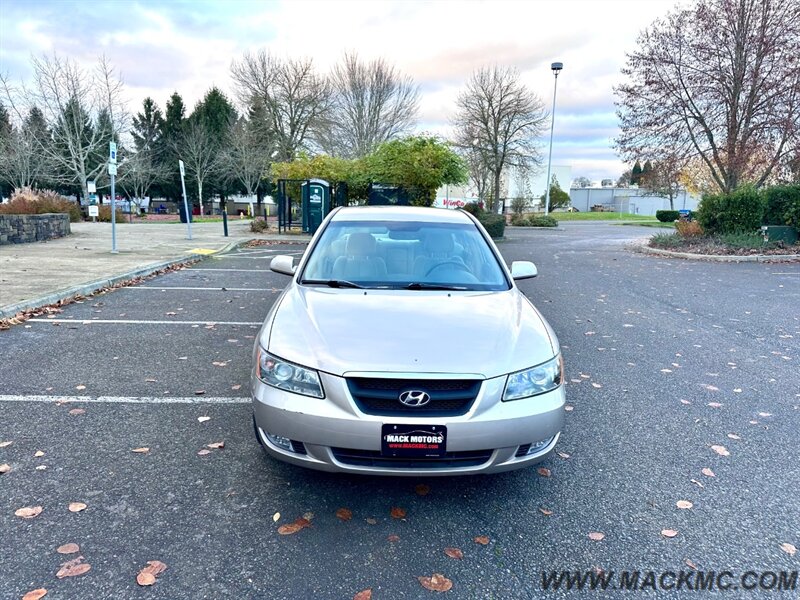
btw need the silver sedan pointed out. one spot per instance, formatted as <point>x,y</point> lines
<point>402,346</point>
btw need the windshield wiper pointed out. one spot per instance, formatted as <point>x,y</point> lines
<point>434,286</point>
<point>334,283</point>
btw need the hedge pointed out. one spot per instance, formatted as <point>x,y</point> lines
<point>741,211</point>
<point>667,216</point>
<point>495,225</point>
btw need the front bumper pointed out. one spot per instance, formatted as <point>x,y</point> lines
<point>331,431</point>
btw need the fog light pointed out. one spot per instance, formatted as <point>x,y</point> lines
<point>280,441</point>
<point>529,449</point>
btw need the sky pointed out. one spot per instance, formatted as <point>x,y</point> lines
<point>170,45</point>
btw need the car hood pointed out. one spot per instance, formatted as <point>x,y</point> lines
<point>349,331</point>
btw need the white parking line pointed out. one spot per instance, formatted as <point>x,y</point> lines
<point>233,270</point>
<point>139,322</point>
<point>129,399</point>
<point>216,289</point>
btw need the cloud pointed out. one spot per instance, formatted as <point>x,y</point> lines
<point>161,46</point>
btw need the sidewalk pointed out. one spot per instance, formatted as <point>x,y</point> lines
<point>33,275</point>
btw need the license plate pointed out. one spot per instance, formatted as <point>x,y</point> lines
<point>420,441</point>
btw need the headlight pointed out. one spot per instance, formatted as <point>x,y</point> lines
<point>288,376</point>
<point>533,381</point>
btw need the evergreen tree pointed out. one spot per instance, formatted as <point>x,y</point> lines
<point>647,171</point>
<point>636,173</point>
<point>147,126</point>
<point>172,129</point>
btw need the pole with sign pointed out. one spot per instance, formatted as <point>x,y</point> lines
<point>112,173</point>
<point>185,204</point>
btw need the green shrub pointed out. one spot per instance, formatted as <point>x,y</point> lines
<point>473,208</point>
<point>518,205</point>
<point>743,241</point>
<point>739,211</point>
<point>542,222</point>
<point>495,225</point>
<point>258,225</point>
<point>519,221</point>
<point>28,201</point>
<point>667,240</point>
<point>782,205</point>
<point>667,216</point>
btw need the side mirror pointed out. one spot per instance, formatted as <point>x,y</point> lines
<point>523,269</point>
<point>282,264</point>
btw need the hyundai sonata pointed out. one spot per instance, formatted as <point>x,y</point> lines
<point>402,346</point>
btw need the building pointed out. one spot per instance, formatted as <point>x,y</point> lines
<point>629,200</point>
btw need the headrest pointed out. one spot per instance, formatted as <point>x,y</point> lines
<point>360,244</point>
<point>440,242</point>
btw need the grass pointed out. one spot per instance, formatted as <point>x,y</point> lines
<point>652,224</point>
<point>600,216</point>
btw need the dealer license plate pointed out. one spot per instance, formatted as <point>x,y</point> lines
<point>421,441</point>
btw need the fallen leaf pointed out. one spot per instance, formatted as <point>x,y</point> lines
<point>147,576</point>
<point>236,387</point>
<point>371,521</point>
<point>684,504</point>
<point>218,363</point>
<point>141,450</point>
<point>203,452</point>
<point>563,455</point>
<point>76,507</point>
<point>73,568</point>
<point>308,516</point>
<point>276,517</point>
<point>291,528</point>
<point>789,548</point>
<point>545,511</point>
<point>669,533</point>
<point>715,405</point>
<point>569,407</point>
<point>666,370</point>
<point>216,445</point>
<point>690,564</point>
<point>685,402</point>
<point>203,419</point>
<point>151,380</point>
<point>199,392</point>
<point>5,444</point>
<point>422,489</point>
<point>28,512</point>
<point>737,390</point>
<point>393,538</point>
<point>697,483</point>
<point>436,583</point>
<point>710,388</point>
<point>454,553</point>
<point>364,595</point>
<point>761,414</point>
<point>398,513</point>
<point>707,472</point>
<point>5,468</point>
<point>80,387</point>
<point>596,385</point>
<point>721,450</point>
<point>35,594</point>
<point>483,540</point>
<point>596,536</point>
<point>345,514</point>
<point>77,411</point>
<point>68,548</point>
<point>171,313</point>
<point>38,453</point>
<point>543,471</point>
<point>183,358</point>
<point>733,436</point>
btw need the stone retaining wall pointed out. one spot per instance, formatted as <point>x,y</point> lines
<point>21,229</point>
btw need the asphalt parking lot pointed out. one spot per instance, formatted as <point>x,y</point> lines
<point>666,360</point>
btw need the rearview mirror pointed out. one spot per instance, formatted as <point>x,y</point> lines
<point>282,264</point>
<point>523,269</point>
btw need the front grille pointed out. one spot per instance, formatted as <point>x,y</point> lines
<point>523,450</point>
<point>380,396</point>
<point>373,458</point>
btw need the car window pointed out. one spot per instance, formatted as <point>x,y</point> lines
<point>401,254</point>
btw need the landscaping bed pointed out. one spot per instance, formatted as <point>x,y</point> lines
<point>723,245</point>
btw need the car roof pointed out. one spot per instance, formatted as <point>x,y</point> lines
<point>400,213</point>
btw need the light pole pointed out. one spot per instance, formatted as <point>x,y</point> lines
<point>556,67</point>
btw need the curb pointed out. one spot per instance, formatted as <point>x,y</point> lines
<point>761,258</point>
<point>86,289</point>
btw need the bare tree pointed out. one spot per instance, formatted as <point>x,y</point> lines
<point>84,109</point>
<point>503,118</point>
<point>249,155</point>
<point>371,103</point>
<point>22,163</point>
<point>293,95</point>
<point>139,172</point>
<point>664,179</point>
<point>719,81</point>
<point>201,155</point>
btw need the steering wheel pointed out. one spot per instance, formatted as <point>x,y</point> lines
<point>461,266</point>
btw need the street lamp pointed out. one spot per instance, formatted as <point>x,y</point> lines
<point>556,67</point>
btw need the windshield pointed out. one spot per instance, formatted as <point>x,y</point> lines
<point>400,254</point>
